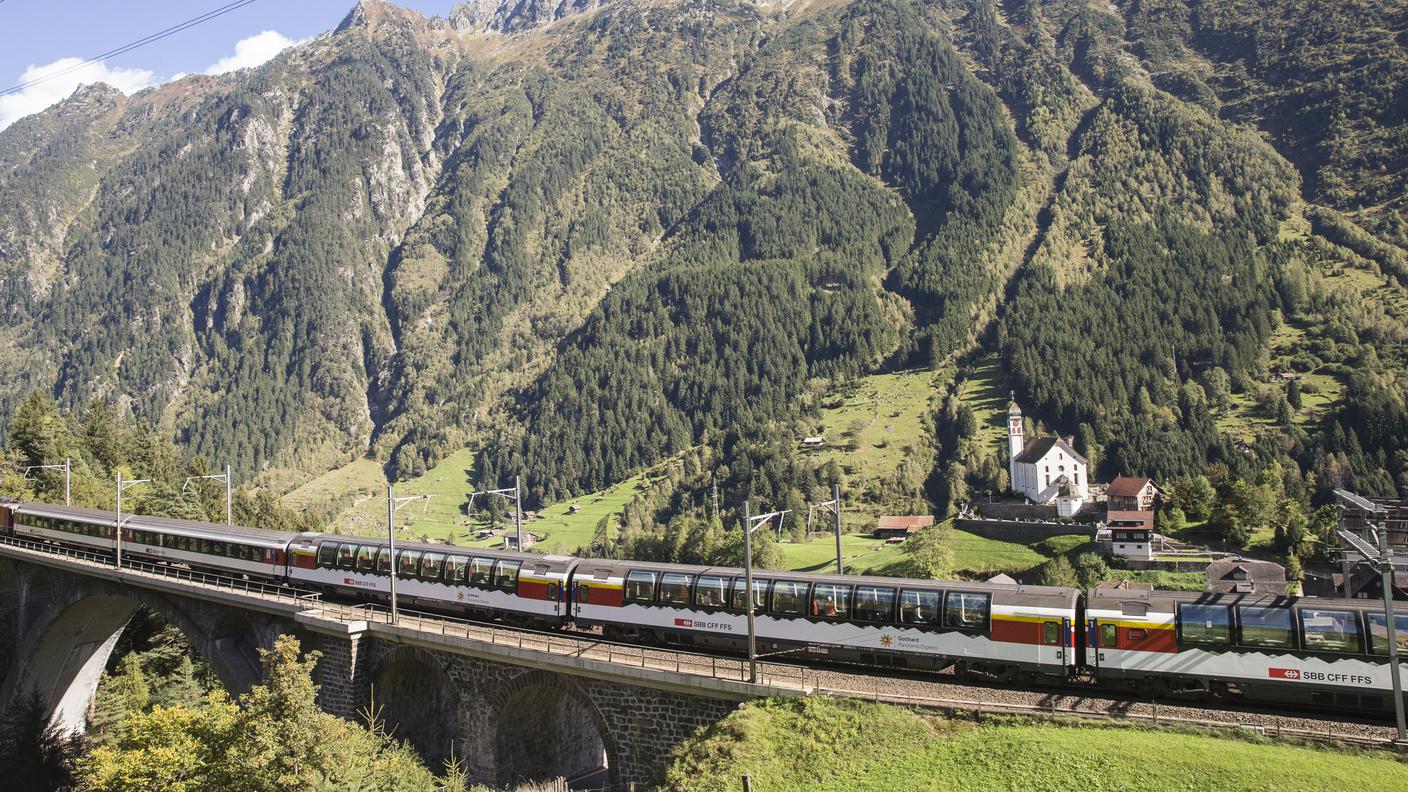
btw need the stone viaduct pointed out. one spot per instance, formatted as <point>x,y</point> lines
<point>512,705</point>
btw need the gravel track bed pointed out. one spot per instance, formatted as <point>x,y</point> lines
<point>1095,702</point>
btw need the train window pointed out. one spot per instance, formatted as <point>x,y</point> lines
<point>430,566</point>
<point>874,604</point>
<point>383,561</point>
<point>407,563</point>
<point>455,568</point>
<point>1204,624</point>
<point>346,554</point>
<point>710,590</point>
<point>674,588</point>
<point>919,607</point>
<point>966,610</point>
<point>1330,630</point>
<point>1137,633</point>
<point>366,558</point>
<point>1051,633</point>
<point>1109,635</point>
<point>640,586</point>
<point>1378,632</point>
<point>218,548</point>
<point>1266,627</point>
<point>506,575</point>
<point>740,594</point>
<point>789,597</point>
<point>327,554</point>
<point>481,571</point>
<point>831,601</point>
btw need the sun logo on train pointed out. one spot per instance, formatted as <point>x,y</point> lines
<point>886,639</point>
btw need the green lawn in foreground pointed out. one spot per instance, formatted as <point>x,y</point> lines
<point>799,745</point>
<point>860,553</point>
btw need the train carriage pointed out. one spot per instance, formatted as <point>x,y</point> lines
<point>523,586</point>
<point>1317,651</point>
<point>91,529</point>
<point>991,628</point>
<point>232,550</point>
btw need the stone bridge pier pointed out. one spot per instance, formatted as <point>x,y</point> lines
<point>507,722</point>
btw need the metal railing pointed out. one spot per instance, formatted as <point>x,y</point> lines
<point>733,669</point>
<point>101,560</point>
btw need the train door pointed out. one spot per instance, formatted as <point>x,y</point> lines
<point>555,590</point>
<point>1093,653</point>
<point>1052,651</point>
<point>581,593</point>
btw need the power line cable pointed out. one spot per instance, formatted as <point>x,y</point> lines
<point>142,42</point>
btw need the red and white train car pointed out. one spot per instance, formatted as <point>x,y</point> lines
<point>1325,652</point>
<point>996,629</point>
<point>519,586</point>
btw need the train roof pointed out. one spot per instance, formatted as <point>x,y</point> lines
<point>1166,601</point>
<point>1009,591</point>
<point>165,525</point>
<point>555,561</point>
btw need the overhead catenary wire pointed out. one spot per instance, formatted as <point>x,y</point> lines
<point>142,42</point>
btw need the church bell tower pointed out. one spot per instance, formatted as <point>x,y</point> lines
<point>1015,441</point>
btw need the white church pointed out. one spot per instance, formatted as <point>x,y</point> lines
<point>1046,470</point>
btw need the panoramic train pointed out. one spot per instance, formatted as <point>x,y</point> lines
<point>1313,652</point>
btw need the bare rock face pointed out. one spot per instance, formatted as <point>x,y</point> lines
<point>514,16</point>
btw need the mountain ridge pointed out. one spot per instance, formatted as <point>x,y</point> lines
<point>546,230</point>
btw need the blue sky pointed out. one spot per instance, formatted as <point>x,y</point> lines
<point>35,34</point>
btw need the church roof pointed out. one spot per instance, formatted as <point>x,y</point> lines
<point>1040,447</point>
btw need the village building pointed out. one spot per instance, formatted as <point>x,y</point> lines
<point>1128,493</point>
<point>1046,470</point>
<point>901,527</point>
<point>1131,534</point>
<point>1246,576</point>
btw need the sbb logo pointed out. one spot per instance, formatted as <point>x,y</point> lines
<point>684,622</point>
<point>1284,673</point>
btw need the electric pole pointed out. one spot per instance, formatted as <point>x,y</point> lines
<point>117,530</point>
<point>748,590</point>
<point>392,504</point>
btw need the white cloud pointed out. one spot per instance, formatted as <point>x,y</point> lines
<point>37,97</point>
<point>253,51</point>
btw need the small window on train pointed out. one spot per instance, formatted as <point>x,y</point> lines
<point>345,555</point>
<point>602,573</point>
<point>541,569</point>
<point>674,588</point>
<point>831,600</point>
<point>1272,627</point>
<point>919,607</point>
<point>430,566</point>
<point>966,610</point>
<point>383,561</point>
<point>874,604</point>
<point>1109,635</point>
<point>1204,624</point>
<point>455,569</point>
<point>1330,631</point>
<point>366,558</point>
<point>218,549</point>
<point>481,572</point>
<point>1051,633</point>
<point>506,575</point>
<point>327,554</point>
<point>408,563</point>
<point>710,591</point>
<point>739,602</point>
<point>1137,634</point>
<point>789,597</point>
<point>640,586</point>
<point>1378,633</point>
<point>1139,609</point>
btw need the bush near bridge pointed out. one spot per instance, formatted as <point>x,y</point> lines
<point>826,744</point>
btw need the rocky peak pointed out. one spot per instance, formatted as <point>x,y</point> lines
<point>514,16</point>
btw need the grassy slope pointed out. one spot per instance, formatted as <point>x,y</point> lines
<point>355,496</point>
<point>823,744</point>
<point>869,427</point>
<point>986,393</point>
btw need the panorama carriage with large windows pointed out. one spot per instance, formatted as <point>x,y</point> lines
<point>1318,651</point>
<point>990,628</point>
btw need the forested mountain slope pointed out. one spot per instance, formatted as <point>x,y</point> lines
<point>585,237</point>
